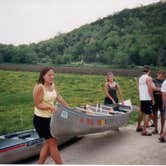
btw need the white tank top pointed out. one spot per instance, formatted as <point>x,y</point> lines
<point>49,98</point>
<point>143,88</point>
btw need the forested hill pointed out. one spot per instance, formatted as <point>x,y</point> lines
<point>130,37</point>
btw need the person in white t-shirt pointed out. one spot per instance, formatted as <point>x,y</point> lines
<point>163,90</point>
<point>146,100</point>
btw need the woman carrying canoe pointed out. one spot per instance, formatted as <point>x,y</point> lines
<point>45,94</point>
<point>111,90</point>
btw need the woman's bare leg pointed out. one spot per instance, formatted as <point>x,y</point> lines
<point>53,149</point>
<point>44,152</point>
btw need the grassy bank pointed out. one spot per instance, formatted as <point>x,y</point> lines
<point>16,102</point>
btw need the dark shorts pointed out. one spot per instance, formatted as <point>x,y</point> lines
<point>157,107</point>
<point>42,126</point>
<point>158,104</point>
<point>146,107</point>
<point>107,101</point>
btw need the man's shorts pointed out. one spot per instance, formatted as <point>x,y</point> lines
<point>146,107</point>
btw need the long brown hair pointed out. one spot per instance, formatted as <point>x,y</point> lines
<point>42,73</point>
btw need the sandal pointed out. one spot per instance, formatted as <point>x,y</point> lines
<point>146,134</point>
<point>162,140</point>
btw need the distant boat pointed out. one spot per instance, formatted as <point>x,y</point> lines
<point>21,145</point>
<point>18,146</point>
<point>71,122</point>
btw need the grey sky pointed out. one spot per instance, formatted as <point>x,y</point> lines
<point>27,21</point>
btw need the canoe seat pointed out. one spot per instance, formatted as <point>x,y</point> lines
<point>23,136</point>
<point>11,135</point>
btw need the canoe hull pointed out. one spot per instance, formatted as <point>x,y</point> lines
<point>69,122</point>
<point>21,145</point>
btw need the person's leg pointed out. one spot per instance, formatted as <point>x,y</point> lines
<point>146,121</point>
<point>148,110</point>
<point>44,152</point>
<point>162,136</point>
<point>162,114</point>
<point>163,131</point>
<point>147,118</point>
<point>54,152</point>
<point>155,122</point>
<point>139,120</point>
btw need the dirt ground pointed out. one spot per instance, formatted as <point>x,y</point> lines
<point>112,147</point>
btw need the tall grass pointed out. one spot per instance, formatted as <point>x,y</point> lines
<point>16,100</point>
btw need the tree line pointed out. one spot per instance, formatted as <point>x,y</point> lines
<point>130,37</point>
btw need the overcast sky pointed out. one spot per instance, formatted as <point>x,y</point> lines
<point>27,21</point>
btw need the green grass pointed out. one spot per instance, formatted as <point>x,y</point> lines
<point>16,100</point>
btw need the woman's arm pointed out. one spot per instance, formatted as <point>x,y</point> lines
<point>61,100</point>
<point>120,93</point>
<point>38,95</point>
<point>107,93</point>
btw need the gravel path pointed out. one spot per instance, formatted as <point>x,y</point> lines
<point>112,147</point>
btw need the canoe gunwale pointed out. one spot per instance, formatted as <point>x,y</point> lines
<point>80,113</point>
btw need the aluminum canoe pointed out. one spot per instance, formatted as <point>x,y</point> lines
<point>67,122</point>
<point>21,145</point>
